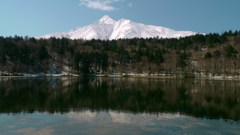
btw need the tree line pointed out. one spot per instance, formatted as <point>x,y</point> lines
<point>198,55</point>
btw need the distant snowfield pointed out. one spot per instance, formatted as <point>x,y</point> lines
<point>109,29</point>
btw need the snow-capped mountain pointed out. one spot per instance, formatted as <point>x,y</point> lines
<point>108,28</point>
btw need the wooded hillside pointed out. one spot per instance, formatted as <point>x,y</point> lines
<point>200,55</point>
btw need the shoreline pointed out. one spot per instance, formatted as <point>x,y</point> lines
<point>222,77</point>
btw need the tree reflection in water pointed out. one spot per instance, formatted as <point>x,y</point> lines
<point>198,98</point>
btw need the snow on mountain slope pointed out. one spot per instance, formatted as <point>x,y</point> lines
<point>108,29</point>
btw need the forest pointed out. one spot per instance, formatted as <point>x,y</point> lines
<point>201,55</point>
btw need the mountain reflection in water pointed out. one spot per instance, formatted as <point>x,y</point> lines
<point>197,98</point>
<point>111,123</point>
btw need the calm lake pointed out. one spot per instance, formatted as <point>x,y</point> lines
<point>118,106</point>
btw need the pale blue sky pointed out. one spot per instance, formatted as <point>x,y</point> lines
<point>40,17</point>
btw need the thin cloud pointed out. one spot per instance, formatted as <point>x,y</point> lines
<point>104,5</point>
<point>130,5</point>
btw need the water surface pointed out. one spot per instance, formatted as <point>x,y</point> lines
<point>118,106</point>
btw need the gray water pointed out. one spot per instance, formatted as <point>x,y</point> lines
<point>59,106</point>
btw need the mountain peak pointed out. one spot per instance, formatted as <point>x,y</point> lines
<point>106,20</point>
<point>107,28</point>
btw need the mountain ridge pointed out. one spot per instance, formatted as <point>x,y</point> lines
<point>107,28</point>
